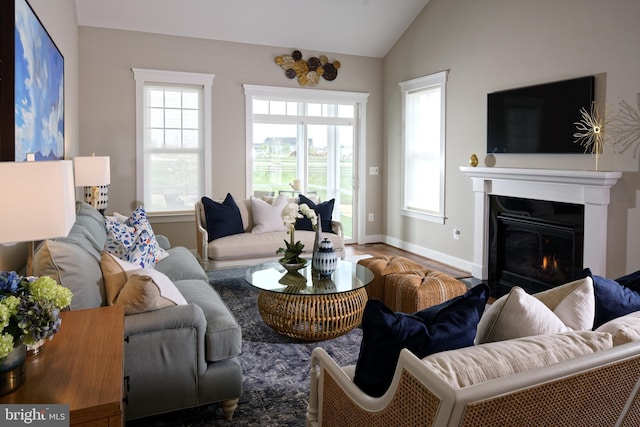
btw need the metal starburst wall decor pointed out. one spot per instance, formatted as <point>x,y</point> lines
<point>628,130</point>
<point>595,130</point>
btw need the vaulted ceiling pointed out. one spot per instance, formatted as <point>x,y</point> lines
<point>354,27</point>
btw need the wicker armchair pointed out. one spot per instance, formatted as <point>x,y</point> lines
<point>598,389</point>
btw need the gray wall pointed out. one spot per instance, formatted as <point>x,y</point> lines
<point>107,117</point>
<point>490,45</point>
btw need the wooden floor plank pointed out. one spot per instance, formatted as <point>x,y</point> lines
<point>381,249</point>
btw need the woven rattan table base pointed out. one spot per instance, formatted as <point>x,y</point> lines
<point>314,317</point>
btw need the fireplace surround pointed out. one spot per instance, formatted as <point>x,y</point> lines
<point>590,189</point>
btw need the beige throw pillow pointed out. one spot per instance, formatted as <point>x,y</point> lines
<point>564,308</point>
<point>137,289</point>
<point>574,303</point>
<point>517,315</point>
<point>477,364</point>
<point>268,217</point>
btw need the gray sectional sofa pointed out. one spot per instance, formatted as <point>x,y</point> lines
<point>176,357</point>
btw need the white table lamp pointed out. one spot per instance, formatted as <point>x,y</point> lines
<point>38,202</point>
<point>93,173</point>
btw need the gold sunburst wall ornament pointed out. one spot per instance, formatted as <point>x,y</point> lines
<point>628,130</point>
<point>595,130</point>
<point>308,71</point>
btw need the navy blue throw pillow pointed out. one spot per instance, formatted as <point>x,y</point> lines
<point>223,219</point>
<point>612,299</point>
<point>631,281</point>
<point>447,326</point>
<point>324,209</point>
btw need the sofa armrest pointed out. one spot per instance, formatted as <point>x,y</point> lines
<point>202,236</point>
<point>160,322</point>
<point>336,227</point>
<point>334,398</point>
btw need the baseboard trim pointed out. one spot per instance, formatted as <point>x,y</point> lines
<point>458,263</point>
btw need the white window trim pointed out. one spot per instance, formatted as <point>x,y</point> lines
<point>321,96</point>
<point>436,79</point>
<point>143,76</point>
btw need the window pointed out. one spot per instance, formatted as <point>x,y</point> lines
<point>306,141</point>
<point>173,134</point>
<point>423,146</point>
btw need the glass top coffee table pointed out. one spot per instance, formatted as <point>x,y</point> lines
<point>304,306</point>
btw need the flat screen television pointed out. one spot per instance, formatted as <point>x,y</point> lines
<point>538,119</point>
<point>31,87</point>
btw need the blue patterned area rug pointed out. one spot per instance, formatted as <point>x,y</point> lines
<point>275,367</point>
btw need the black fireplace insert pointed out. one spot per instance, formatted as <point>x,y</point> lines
<point>534,244</point>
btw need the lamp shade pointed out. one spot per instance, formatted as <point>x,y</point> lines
<point>92,171</point>
<point>38,200</point>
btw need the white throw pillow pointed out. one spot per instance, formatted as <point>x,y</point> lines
<point>517,315</point>
<point>268,217</point>
<point>564,308</point>
<point>574,303</point>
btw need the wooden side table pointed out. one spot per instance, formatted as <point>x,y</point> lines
<point>83,367</point>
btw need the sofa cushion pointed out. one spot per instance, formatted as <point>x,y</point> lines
<point>624,329</point>
<point>612,299</point>
<point>223,219</point>
<point>324,210</point>
<point>519,314</point>
<point>268,216</point>
<point>223,338</point>
<point>93,221</point>
<point>80,236</point>
<point>474,365</point>
<point>263,245</point>
<point>73,267</point>
<point>446,326</point>
<point>181,265</point>
<point>137,289</point>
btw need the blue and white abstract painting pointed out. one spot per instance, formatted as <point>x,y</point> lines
<point>39,90</point>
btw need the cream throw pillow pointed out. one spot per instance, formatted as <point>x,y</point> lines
<point>624,329</point>
<point>138,289</point>
<point>268,217</point>
<point>564,308</point>
<point>517,315</point>
<point>574,303</point>
<point>473,365</point>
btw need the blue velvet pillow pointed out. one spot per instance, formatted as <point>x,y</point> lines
<point>223,219</point>
<point>445,326</point>
<point>612,299</point>
<point>324,209</point>
<point>631,281</point>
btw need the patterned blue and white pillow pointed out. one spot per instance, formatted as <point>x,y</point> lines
<point>134,240</point>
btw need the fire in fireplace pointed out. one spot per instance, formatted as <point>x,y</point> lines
<point>534,244</point>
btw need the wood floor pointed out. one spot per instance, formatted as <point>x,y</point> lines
<point>381,249</point>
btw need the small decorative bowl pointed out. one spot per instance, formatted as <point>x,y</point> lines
<point>293,267</point>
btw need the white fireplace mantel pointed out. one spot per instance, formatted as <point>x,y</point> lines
<point>588,188</point>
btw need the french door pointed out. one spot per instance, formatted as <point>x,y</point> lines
<point>303,147</point>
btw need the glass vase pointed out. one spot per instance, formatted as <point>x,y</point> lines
<point>12,370</point>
